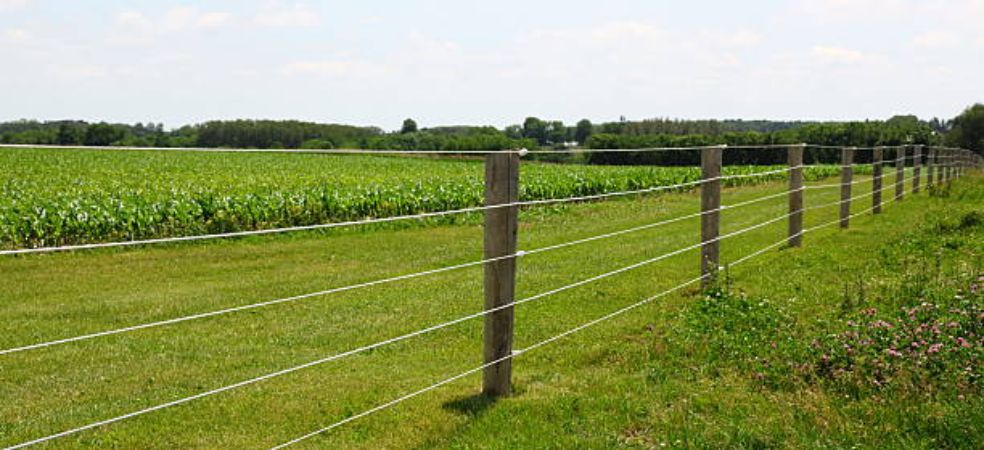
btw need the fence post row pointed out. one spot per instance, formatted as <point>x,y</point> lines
<point>900,174</point>
<point>847,173</point>
<point>876,180</point>
<point>501,226</point>
<point>795,235</point>
<point>916,167</point>
<point>710,208</point>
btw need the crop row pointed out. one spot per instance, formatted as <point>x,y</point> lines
<point>53,197</point>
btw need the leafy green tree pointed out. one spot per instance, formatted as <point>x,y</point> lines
<point>967,129</point>
<point>69,134</point>
<point>583,131</point>
<point>409,126</point>
<point>103,134</point>
<point>534,128</point>
<point>556,132</point>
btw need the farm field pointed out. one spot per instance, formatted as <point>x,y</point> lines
<point>53,197</point>
<point>680,372</point>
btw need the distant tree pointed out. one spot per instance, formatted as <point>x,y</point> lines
<point>409,126</point>
<point>514,131</point>
<point>534,128</point>
<point>556,132</point>
<point>69,134</point>
<point>583,131</point>
<point>103,134</point>
<point>967,129</point>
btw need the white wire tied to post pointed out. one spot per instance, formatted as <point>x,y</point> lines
<point>394,339</point>
<point>382,219</point>
<point>367,284</point>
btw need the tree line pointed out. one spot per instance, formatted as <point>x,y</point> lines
<point>966,130</point>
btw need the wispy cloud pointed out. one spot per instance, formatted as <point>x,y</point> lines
<point>323,67</point>
<point>936,39</point>
<point>836,55</point>
<point>276,14</point>
<point>181,18</point>
<point>13,4</point>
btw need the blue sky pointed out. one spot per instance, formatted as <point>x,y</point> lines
<point>461,62</point>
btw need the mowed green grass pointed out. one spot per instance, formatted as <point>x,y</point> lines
<point>591,390</point>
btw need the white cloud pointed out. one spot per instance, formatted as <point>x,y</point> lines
<point>742,38</point>
<point>324,67</point>
<point>13,4</point>
<point>175,19</point>
<point>619,32</point>
<point>133,19</point>
<point>936,39</point>
<point>297,15</point>
<point>213,19</point>
<point>836,55</point>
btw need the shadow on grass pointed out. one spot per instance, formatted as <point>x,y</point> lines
<point>472,405</point>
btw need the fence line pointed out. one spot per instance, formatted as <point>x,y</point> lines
<point>376,282</point>
<point>539,344</point>
<point>796,209</point>
<point>393,340</point>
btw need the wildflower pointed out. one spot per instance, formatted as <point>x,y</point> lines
<point>935,348</point>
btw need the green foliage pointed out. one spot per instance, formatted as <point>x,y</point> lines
<point>919,335</point>
<point>129,195</point>
<point>409,126</point>
<point>968,129</point>
<point>276,134</point>
<point>896,131</point>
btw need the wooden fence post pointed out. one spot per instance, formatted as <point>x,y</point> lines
<point>501,226</point>
<point>916,168</point>
<point>795,235</point>
<point>900,174</point>
<point>930,157</point>
<point>940,165</point>
<point>847,173</point>
<point>876,180</point>
<point>948,167</point>
<point>710,208</point>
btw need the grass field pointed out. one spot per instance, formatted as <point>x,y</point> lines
<point>52,197</point>
<point>675,373</point>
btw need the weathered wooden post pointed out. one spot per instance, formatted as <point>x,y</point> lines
<point>916,167</point>
<point>900,174</point>
<point>795,234</point>
<point>876,180</point>
<point>501,226</point>
<point>710,207</point>
<point>930,160</point>
<point>847,173</point>
<point>940,166</point>
<point>948,166</point>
